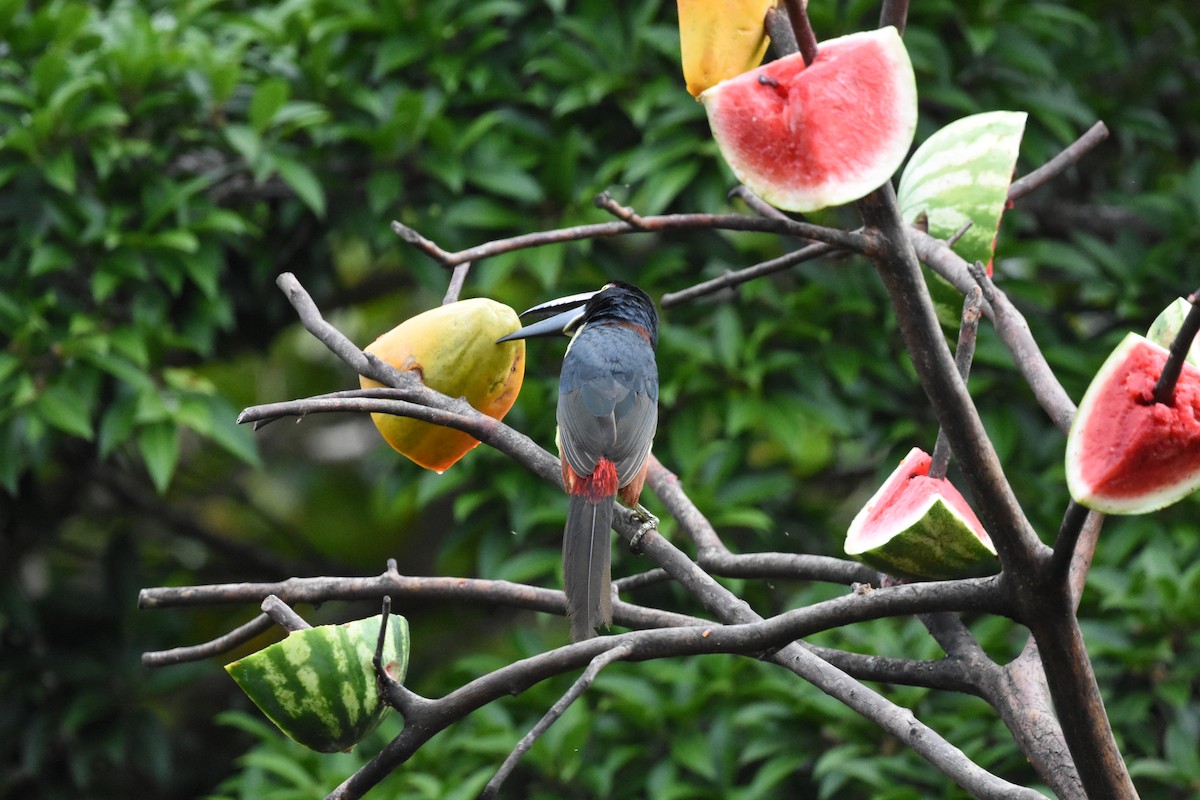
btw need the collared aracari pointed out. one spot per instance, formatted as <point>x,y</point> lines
<point>607,415</point>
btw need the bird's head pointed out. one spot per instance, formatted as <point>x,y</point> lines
<point>615,303</point>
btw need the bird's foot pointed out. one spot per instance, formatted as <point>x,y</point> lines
<point>649,523</point>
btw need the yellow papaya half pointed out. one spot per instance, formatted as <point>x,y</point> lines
<point>453,349</point>
<point>719,39</point>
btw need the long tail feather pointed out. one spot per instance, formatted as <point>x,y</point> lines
<point>587,556</point>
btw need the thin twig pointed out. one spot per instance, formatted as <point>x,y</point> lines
<point>737,277</point>
<point>806,40</point>
<point>958,234</point>
<point>337,342</point>
<point>1068,534</point>
<point>1010,326</point>
<point>556,711</point>
<point>457,279</point>
<point>964,352</point>
<point>1164,388</point>
<point>222,644</point>
<point>756,203</point>
<point>669,222</point>
<point>381,641</point>
<point>650,577</point>
<point>895,13</point>
<point>283,615</point>
<point>606,202</point>
<point>944,674</point>
<point>1071,155</point>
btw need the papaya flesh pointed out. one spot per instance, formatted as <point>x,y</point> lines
<point>453,349</point>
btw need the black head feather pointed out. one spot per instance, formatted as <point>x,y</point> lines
<point>620,302</point>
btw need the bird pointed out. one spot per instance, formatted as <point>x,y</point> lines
<point>607,416</point>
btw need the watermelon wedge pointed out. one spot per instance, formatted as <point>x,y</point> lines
<point>960,174</point>
<point>318,685</point>
<point>1166,327</point>
<point>1127,454</point>
<point>807,137</point>
<point>920,527</point>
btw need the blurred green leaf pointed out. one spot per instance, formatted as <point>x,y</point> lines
<point>304,183</point>
<point>159,446</point>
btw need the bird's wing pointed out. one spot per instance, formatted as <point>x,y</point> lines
<point>583,437</point>
<point>608,405</point>
<point>635,435</point>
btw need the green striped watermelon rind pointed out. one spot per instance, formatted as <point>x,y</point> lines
<point>935,540</point>
<point>1166,327</point>
<point>938,546</point>
<point>962,172</point>
<point>318,685</point>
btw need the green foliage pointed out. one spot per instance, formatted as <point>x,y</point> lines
<point>162,162</point>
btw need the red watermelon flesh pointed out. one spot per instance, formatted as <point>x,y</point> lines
<point>1127,454</point>
<point>919,527</point>
<point>804,138</point>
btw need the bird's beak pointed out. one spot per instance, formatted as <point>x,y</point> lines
<point>567,313</point>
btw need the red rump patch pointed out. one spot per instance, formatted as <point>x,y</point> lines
<point>600,485</point>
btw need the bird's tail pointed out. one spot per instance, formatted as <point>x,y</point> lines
<point>587,557</point>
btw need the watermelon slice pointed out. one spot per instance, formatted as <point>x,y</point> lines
<point>804,138</point>
<point>920,527</point>
<point>962,174</point>
<point>1166,327</point>
<point>318,685</point>
<point>1127,454</point>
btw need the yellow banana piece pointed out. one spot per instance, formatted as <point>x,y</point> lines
<point>720,39</point>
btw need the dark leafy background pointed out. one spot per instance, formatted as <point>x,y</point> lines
<point>161,162</point>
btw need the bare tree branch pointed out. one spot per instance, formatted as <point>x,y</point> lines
<point>283,615</point>
<point>895,13</point>
<point>222,644</point>
<point>964,353</point>
<point>1056,166</point>
<point>846,240</point>
<point>423,717</point>
<point>1009,324</point>
<point>743,631</point>
<point>738,277</point>
<point>756,203</point>
<point>556,711</point>
<point>457,279</point>
<point>1047,608</point>
<point>1018,691</point>
<point>946,674</point>
<point>1019,188</point>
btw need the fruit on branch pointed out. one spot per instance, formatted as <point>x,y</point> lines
<point>720,39</point>
<point>961,174</point>
<point>803,138</point>
<point>318,685</point>
<point>453,349</point>
<point>920,527</point>
<point>1166,327</point>
<point>1127,454</point>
